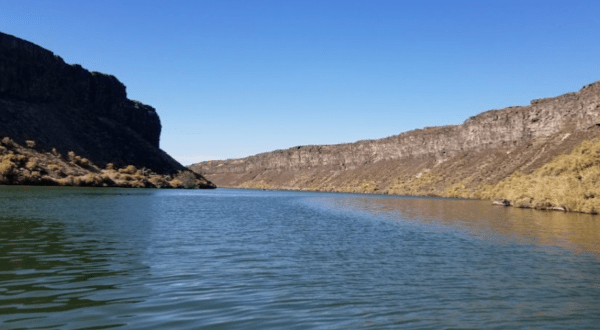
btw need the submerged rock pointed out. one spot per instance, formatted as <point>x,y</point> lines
<point>501,202</point>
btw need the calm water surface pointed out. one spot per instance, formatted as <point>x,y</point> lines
<point>74,258</point>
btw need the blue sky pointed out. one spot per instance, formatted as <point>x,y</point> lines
<point>235,78</point>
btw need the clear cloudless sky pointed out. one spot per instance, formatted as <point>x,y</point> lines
<point>235,78</point>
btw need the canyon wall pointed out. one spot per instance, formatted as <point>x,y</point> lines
<point>484,150</point>
<point>68,108</point>
<point>488,130</point>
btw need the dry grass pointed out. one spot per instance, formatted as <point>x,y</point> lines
<point>23,165</point>
<point>84,162</point>
<point>418,185</point>
<point>7,141</point>
<point>354,186</point>
<point>130,169</point>
<point>158,181</point>
<point>459,190</point>
<point>7,167</point>
<point>176,183</point>
<point>89,179</point>
<point>32,163</point>
<point>258,185</point>
<point>569,181</point>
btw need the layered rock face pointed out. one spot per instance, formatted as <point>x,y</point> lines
<point>66,107</point>
<point>483,150</point>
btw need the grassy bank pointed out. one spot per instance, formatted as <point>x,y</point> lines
<point>569,181</point>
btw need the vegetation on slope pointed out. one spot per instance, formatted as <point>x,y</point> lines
<point>569,182</point>
<point>23,165</point>
<point>561,172</point>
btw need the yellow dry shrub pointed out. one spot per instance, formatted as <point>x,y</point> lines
<point>89,179</point>
<point>7,167</point>
<point>68,181</point>
<point>417,185</point>
<point>157,181</point>
<point>129,169</point>
<point>571,181</point>
<point>110,166</point>
<point>459,190</point>
<point>53,167</point>
<point>137,184</point>
<point>176,183</point>
<point>71,155</point>
<point>30,144</point>
<point>32,163</point>
<point>21,158</point>
<point>110,174</point>
<point>252,185</point>
<point>85,162</point>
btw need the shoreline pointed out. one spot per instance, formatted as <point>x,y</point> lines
<point>493,202</point>
<point>24,165</point>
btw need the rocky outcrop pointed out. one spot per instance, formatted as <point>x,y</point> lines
<point>66,107</point>
<point>486,131</point>
<point>465,160</point>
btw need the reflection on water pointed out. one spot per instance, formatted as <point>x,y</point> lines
<point>90,258</point>
<point>575,231</point>
<point>60,259</point>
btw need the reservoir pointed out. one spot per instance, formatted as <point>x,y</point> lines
<point>76,258</point>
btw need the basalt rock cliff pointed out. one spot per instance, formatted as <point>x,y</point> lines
<point>456,160</point>
<point>69,108</point>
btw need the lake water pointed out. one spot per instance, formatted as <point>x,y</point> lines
<point>74,258</point>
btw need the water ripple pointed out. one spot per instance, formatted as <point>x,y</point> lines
<point>147,259</point>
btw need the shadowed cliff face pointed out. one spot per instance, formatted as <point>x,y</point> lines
<point>71,109</point>
<point>442,161</point>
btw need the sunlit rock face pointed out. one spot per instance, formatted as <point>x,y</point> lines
<point>67,107</point>
<point>512,139</point>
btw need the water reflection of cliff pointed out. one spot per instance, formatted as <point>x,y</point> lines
<point>575,231</point>
<point>63,250</point>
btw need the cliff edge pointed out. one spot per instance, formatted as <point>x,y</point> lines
<point>68,108</point>
<point>466,160</point>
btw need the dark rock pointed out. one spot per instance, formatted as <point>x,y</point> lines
<point>68,108</point>
<point>501,202</point>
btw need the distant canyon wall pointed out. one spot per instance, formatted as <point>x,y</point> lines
<point>489,130</point>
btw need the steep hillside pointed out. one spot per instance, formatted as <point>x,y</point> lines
<point>71,109</point>
<point>458,161</point>
<point>68,108</point>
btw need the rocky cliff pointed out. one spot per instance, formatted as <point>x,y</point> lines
<point>455,160</point>
<point>66,107</point>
